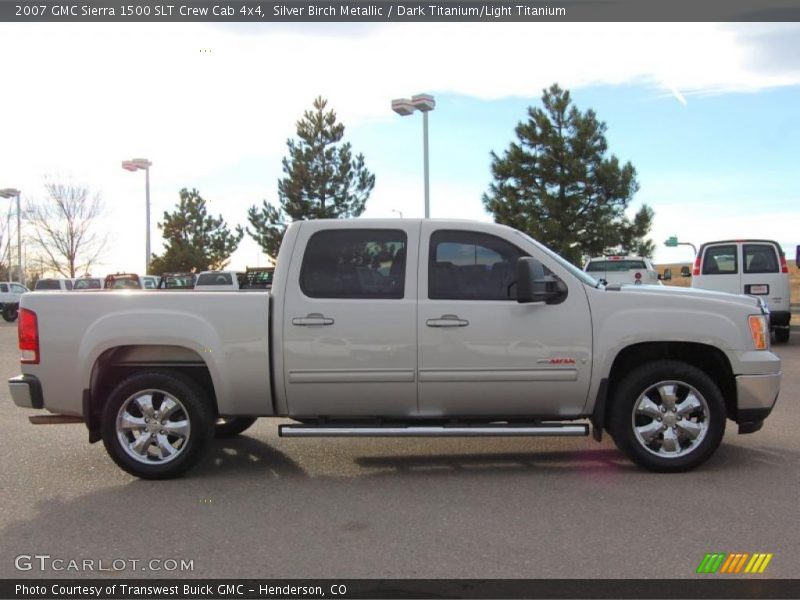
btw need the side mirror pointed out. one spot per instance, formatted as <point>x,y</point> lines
<point>534,286</point>
<point>667,274</point>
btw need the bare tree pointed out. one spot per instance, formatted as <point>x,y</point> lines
<point>64,228</point>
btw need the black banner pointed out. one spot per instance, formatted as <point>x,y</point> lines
<point>224,589</point>
<point>411,11</point>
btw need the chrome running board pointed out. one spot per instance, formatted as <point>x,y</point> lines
<point>549,429</point>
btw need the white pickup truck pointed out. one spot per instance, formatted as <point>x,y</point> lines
<point>402,328</point>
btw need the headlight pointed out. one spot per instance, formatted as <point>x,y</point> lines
<point>759,330</point>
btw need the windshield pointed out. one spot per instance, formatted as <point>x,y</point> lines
<point>614,265</point>
<point>580,274</point>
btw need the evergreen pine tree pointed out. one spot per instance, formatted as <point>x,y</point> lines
<point>322,180</point>
<point>194,240</point>
<point>559,184</point>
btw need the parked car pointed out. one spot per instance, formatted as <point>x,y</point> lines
<point>87,283</point>
<point>10,291</point>
<point>149,282</point>
<point>470,329</point>
<point>752,267</point>
<point>622,269</point>
<point>122,281</point>
<point>218,281</point>
<point>257,278</point>
<point>53,285</point>
<point>176,281</point>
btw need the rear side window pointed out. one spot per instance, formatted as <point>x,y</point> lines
<point>215,279</point>
<point>721,260</point>
<point>615,265</point>
<point>3,287</point>
<point>48,284</point>
<point>760,258</point>
<point>355,263</point>
<point>465,265</point>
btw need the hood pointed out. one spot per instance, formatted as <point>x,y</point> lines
<point>689,293</point>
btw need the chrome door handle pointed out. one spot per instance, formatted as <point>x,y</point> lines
<point>312,319</point>
<point>447,321</point>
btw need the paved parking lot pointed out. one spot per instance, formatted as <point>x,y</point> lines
<point>261,506</point>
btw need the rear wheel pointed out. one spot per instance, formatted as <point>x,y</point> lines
<point>781,335</point>
<point>10,313</point>
<point>231,426</point>
<point>157,424</point>
<point>667,416</point>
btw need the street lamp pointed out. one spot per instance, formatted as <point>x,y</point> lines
<point>134,165</point>
<point>10,193</point>
<point>404,107</point>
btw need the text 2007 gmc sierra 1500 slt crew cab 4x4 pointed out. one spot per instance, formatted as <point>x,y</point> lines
<point>402,328</point>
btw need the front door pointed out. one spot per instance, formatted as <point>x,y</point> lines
<point>482,353</point>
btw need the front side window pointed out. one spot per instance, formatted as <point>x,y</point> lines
<point>760,258</point>
<point>18,289</point>
<point>355,263</point>
<point>721,260</point>
<point>465,265</point>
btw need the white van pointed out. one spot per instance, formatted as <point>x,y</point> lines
<point>752,267</point>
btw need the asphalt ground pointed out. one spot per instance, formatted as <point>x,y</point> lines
<point>261,506</point>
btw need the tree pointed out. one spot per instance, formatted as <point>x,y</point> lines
<point>322,180</point>
<point>64,228</point>
<point>558,183</point>
<point>194,240</point>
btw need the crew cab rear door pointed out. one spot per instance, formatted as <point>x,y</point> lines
<point>349,324</point>
<point>482,353</point>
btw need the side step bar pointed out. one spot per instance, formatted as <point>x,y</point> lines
<point>548,429</point>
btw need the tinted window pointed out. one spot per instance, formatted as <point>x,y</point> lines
<point>465,265</point>
<point>760,258</point>
<point>721,260</point>
<point>615,265</point>
<point>3,287</point>
<point>68,284</point>
<point>48,284</point>
<point>87,284</point>
<point>215,279</point>
<point>354,263</point>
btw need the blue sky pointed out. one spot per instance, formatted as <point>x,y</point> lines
<point>707,113</point>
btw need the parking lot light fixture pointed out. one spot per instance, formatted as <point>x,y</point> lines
<point>132,165</point>
<point>10,193</point>
<point>405,107</point>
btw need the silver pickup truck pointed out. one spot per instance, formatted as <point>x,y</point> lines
<point>402,327</point>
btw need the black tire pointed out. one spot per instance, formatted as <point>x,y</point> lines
<point>10,313</point>
<point>674,379</point>
<point>165,390</point>
<point>231,426</point>
<point>781,335</point>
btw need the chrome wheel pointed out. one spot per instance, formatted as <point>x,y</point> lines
<point>670,419</point>
<point>153,427</point>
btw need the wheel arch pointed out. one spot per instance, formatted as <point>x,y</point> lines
<point>709,359</point>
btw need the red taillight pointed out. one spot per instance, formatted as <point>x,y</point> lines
<point>784,266</point>
<point>696,270</point>
<point>28,337</point>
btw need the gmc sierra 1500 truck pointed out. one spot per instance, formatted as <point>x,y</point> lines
<point>402,328</point>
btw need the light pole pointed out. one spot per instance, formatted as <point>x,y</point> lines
<point>10,193</point>
<point>424,103</point>
<point>134,165</point>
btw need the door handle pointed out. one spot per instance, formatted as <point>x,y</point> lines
<point>447,321</point>
<point>312,319</point>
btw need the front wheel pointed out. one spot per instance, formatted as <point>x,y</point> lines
<point>231,426</point>
<point>667,416</point>
<point>10,313</point>
<point>156,424</point>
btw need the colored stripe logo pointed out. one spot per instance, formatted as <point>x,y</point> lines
<point>734,563</point>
